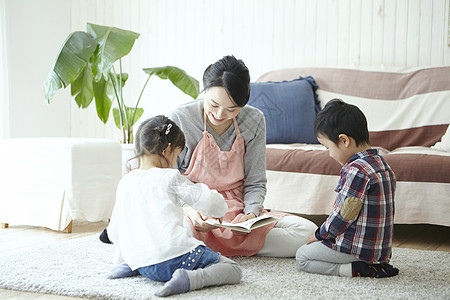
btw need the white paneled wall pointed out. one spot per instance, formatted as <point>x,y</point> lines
<point>4,91</point>
<point>32,32</point>
<point>266,34</point>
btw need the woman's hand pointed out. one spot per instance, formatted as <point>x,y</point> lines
<point>247,217</point>
<point>198,219</point>
<point>243,219</point>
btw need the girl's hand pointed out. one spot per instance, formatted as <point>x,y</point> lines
<point>198,219</point>
<point>243,219</point>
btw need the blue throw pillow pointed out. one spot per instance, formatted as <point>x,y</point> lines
<point>289,107</point>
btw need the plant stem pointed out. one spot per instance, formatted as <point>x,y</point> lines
<point>113,80</point>
<point>139,99</point>
<point>127,122</point>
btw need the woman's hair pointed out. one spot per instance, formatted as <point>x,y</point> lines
<point>155,134</point>
<point>338,117</point>
<point>231,74</point>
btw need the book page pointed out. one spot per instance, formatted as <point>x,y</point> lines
<point>246,226</point>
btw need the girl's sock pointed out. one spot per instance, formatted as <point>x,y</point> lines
<point>179,284</point>
<point>122,271</point>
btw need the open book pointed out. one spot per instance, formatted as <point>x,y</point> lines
<point>246,226</point>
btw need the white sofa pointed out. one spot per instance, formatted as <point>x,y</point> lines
<point>49,182</point>
<point>408,113</point>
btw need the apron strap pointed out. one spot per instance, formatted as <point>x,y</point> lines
<point>204,120</point>
<point>238,132</point>
<point>205,133</point>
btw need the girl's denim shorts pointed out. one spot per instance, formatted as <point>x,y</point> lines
<point>200,257</point>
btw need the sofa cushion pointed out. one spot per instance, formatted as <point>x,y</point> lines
<point>289,107</point>
<point>405,108</point>
<point>444,143</point>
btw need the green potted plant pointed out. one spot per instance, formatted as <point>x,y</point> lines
<point>86,63</point>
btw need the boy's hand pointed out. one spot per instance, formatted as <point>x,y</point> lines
<point>311,239</point>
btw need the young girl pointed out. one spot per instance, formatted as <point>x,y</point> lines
<point>146,227</point>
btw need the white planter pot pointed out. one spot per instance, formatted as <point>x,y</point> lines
<point>127,153</point>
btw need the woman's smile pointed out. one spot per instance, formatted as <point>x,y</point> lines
<point>217,119</point>
<point>219,108</point>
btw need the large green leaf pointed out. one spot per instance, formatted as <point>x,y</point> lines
<point>82,88</point>
<point>114,43</point>
<point>178,77</point>
<point>129,111</point>
<point>72,59</point>
<point>104,95</point>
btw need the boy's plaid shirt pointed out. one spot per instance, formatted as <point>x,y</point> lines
<point>368,177</point>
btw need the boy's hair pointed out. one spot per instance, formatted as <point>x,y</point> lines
<point>338,117</point>
<point>155,134</point>
<point>231,74</point>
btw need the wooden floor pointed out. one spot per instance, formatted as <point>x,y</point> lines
<point>20,238</point>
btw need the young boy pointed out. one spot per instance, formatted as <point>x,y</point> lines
<point>356,238</point>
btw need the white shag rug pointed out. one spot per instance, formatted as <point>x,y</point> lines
<point>77,268</point>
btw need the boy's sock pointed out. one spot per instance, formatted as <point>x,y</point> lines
<point>121,271</point>
<point>345,270</point>
<point>104,237</point>
<point>362,269</point>
<point>179,283</point>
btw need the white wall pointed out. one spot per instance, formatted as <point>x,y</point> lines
<point>266,34</point>
<point>32,32</point>
<point>4,94</point>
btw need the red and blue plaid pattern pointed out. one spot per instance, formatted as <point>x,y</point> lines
<point>368,177</point>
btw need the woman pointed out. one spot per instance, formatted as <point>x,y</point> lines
<point>226,150</point>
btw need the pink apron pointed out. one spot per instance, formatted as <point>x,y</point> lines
<point>224,172</point>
